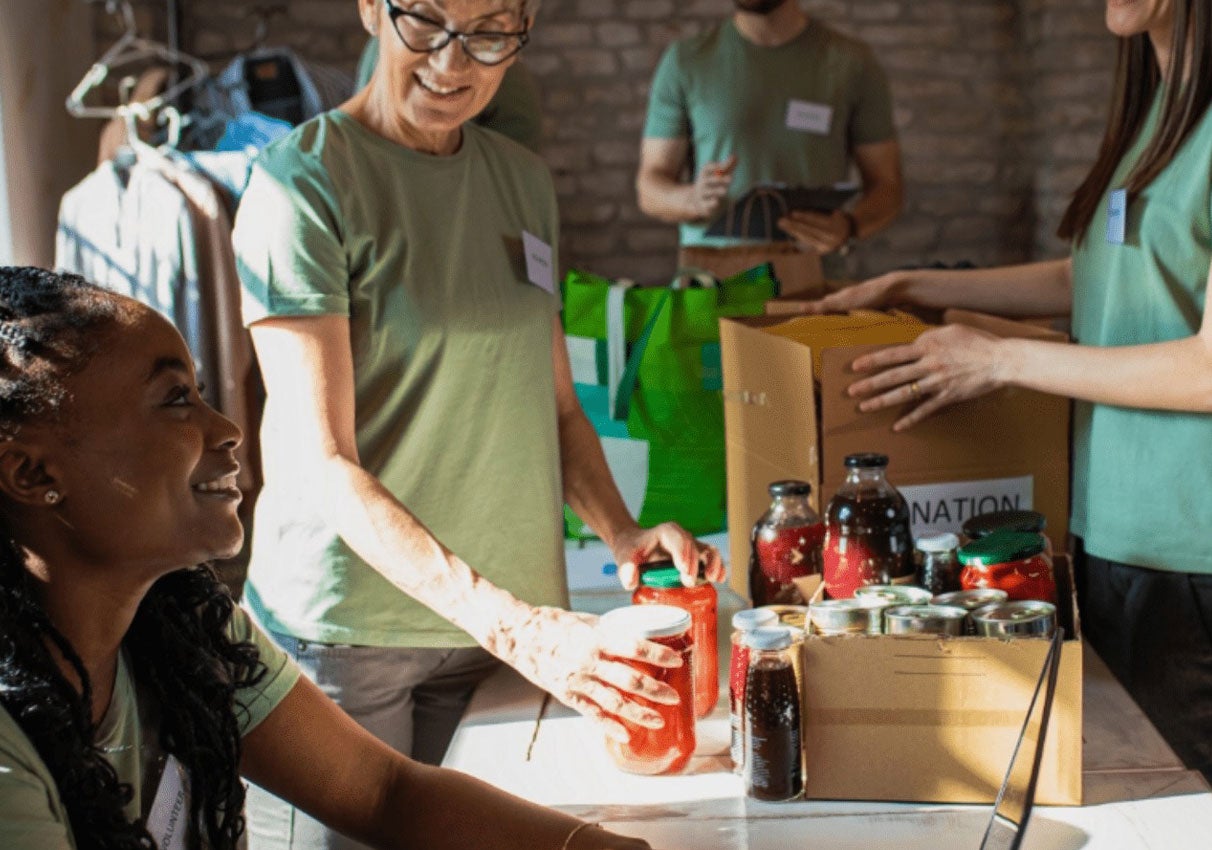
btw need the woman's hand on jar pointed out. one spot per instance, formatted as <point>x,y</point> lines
<point>941,367</point>
<point>565,654</point>
<point>634,547</point>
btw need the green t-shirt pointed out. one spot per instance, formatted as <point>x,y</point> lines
<point>514,110</point>
<point>791,114</point>
<point>1142,481</point>
<point>33,817</point>
<point>453,380</point>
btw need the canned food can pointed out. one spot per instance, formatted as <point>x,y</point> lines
<point>1021,618</point>
<point>895,594</point>
<point>970,600</point>
<point>794,616</point>
<point>925,620</point>
<point>843,617</point>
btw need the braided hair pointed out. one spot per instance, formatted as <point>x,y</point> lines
<point>177,646</point>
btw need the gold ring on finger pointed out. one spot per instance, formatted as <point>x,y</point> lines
<point>915,390</point>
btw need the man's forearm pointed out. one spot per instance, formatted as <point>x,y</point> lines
<point>878,207</point>
<point>665,198</point>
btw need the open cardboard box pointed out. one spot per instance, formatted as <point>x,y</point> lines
<point>929,719</point>
<point>1008,449</point>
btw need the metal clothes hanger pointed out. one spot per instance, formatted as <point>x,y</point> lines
<point>128,49</point>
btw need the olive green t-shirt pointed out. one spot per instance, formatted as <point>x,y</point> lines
<point>513,112</point>
<point>1142,479</point>
<point>33,817</point>
<point>454,389</point>
<point>791,114</point>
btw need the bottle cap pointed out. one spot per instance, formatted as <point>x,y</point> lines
<point>1001,547</point>
<point>754,618</point>
<point>768,638</point>
<point>646,621</point>
<point>663,574</point>
<point>982,525</point>
<point>790,487</point>
<point>944,542</point>
<point>866,460</point>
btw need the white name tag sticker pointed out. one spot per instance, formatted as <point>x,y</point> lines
<point>809,117</point>
<point>945,507</point>
<point>169,817</point>
<point>1117,217</point>
<point>539,262</point>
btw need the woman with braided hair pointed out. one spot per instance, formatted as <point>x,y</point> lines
<point>133,694</point>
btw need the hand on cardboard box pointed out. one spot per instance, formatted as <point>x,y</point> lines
<point>873,294</point>
<point>941,367</point>
<point>636,546</point>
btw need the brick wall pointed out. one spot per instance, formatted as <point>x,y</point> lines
<point>999,105</point>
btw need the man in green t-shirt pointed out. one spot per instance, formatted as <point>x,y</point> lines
<point>769,96</point>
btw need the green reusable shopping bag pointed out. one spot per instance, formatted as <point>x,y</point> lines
<point>646,369</point>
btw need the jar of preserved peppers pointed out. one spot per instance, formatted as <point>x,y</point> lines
<point>1013,561</point>
<point>867,536</point>
<point>786,545</point>
<point>661,584</point>
<point>664,750</point>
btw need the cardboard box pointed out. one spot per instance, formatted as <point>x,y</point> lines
<point>924,719</point>
<point>1006,449</point>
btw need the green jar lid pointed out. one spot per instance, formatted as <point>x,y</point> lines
<point>664,577</point>
<point>983,525</point>
<point>1001,547</point>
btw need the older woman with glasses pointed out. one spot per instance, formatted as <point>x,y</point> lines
<point>421,433</point>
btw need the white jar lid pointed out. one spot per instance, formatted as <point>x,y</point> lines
<point>754,618</point>
<point>645,621</point>
<point>768,638</point>
<point>944,542</point>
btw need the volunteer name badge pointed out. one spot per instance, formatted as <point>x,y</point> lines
<point>539,262</point>
<point>169,814</point>
<point>1117,217</point>
<point>808,117</point>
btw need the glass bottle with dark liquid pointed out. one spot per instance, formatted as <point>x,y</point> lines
<point>867,536</point>
<point>772,756</point>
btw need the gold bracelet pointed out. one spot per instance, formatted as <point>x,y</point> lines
<point>575,830</point>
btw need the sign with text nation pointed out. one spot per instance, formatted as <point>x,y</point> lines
<point>946,506</point>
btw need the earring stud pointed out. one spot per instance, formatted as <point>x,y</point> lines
<point>52,497</point>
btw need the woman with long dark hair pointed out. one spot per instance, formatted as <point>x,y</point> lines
<point>1136,287</point>
<point>133,694</point>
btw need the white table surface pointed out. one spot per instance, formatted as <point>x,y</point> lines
<point>1137,794</point>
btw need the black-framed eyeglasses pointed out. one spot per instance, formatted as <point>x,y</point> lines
<point>425,35</point>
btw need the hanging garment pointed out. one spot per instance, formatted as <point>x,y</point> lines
<point>276,82</point>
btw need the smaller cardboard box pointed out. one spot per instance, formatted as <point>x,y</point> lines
<point>787,415</point>
<point>925,719</point>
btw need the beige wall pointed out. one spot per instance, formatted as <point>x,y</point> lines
<point>45,48</point>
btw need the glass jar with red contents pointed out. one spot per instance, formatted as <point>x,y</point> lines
<point>738,668</point>
<point>664,750</point>
<point>786,545</point>
<point>1013,561</point>
<point>661,584</point>
<point>867,537</point>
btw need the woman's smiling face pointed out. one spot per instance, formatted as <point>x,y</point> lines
<point>441,90</point>
<point>145,468</point>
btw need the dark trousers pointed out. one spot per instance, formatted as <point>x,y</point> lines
<point>1154,630</point>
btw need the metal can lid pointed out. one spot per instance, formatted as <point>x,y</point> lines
<point>1001,547</point>
<point>926,612</point>
<point>754,618</point>
<point>977,597</point>
<point>866,460</point>
<point>646,621</point>
<point>982,525</point>
<point>790,487</point>
<point>1019,611</point>
<point>768,638</point>
<point>899,594</point>
<point>942,542</point>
